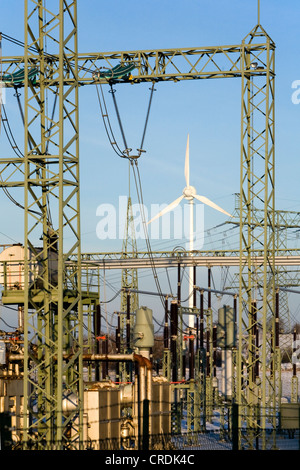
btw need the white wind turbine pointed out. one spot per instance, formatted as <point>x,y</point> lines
<point>190,194</point>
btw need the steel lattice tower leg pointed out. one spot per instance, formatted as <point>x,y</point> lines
<point>53,385</point>
<point>255,388</point>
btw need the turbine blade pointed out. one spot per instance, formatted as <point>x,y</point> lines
<point>187,162</point>
<point>166,209</point>
<point>205,200</point>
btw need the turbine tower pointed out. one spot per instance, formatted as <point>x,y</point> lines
<point>189,193</point>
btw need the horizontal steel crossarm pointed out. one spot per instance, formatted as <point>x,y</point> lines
<point>12,171</point>
<point>160,262</point>
<point>181,254</point>
<point>171,64</point>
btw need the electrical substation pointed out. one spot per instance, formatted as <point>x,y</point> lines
<point>64,382</point>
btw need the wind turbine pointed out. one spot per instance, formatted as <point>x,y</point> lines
<point>189,193</point>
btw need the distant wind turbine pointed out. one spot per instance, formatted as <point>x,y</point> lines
<point>190,194</point>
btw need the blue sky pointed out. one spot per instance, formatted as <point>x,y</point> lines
<point>208,110</point>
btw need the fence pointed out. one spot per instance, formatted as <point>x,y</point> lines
<point>229,436</point>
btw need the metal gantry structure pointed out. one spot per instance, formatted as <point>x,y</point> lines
<point>48,172</point>
<point>257,189</point>
<point>53,308</point>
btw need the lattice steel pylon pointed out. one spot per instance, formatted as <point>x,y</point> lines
<point>53,385</point>
<point>129,281</point>
<point>256,389</point>
<point>284,277</point>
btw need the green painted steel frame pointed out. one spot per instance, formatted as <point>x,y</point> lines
<point>253,63</point>
<point>257,282</point>
<point>51,195</point>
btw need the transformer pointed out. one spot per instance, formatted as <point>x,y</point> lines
<point>114,417</point>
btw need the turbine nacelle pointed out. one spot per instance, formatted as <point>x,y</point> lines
<point>189,192</point>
